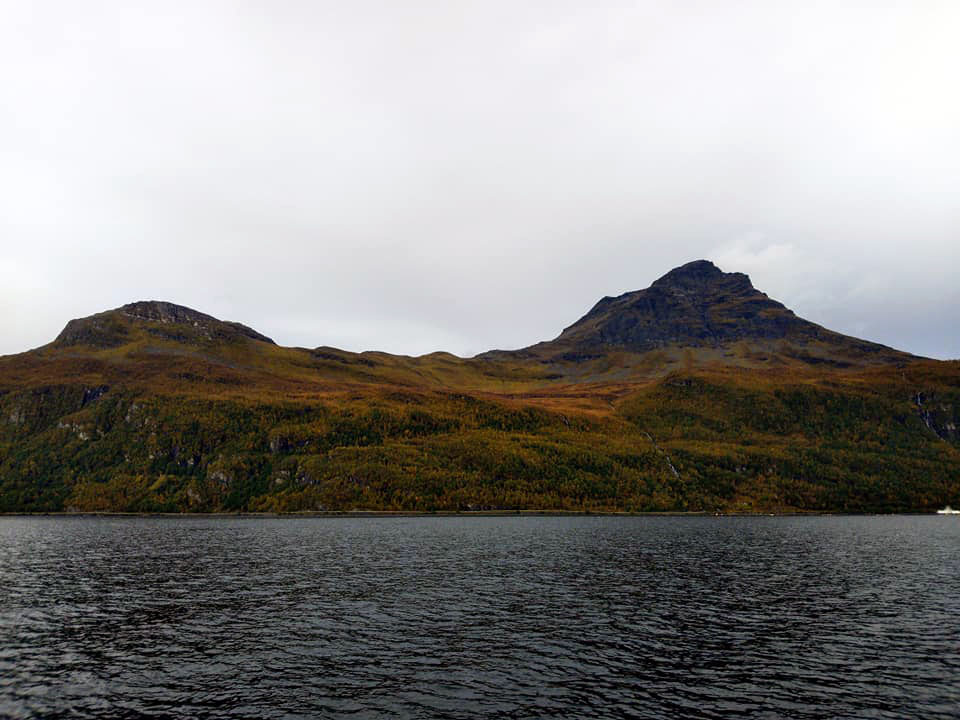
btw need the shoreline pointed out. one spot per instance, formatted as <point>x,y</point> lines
<point>451,513</point>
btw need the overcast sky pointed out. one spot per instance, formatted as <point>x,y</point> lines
<point>415,176</point>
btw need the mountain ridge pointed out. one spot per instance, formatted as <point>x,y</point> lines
<point>695,305</point>
<point>698,393</point>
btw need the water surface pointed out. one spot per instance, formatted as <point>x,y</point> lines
<point>455,617</point>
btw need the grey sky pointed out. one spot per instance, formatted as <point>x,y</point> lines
<point>469,175</point>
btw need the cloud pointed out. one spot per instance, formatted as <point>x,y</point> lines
<point>462,176</point>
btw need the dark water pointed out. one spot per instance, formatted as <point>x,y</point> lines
<point>460,617</point>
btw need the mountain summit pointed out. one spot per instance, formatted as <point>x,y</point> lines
<point>698,306</point>
<point>695,304</point>
<point>157,319</point>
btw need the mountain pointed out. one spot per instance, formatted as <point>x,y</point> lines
<point>695,305</point>
<point>159,319</point>
<point>699,307</point>
<point>697,393</point>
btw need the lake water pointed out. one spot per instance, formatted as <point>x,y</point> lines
<point>455,617</point>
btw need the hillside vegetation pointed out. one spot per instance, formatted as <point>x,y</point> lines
<point>154,407</point>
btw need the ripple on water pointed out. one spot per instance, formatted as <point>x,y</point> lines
<point>453,617</point>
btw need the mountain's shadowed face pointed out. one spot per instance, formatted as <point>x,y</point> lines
<point>693,305</point>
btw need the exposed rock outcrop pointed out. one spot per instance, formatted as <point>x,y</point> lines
<point>161,319</point>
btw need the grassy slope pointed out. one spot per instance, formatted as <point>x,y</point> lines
<point>157,423</point>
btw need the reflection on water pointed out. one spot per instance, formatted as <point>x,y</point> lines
<point>454,617</point>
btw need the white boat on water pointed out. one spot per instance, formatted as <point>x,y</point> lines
<point>948,511</point>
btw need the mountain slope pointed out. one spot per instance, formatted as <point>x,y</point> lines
<point>702,309</point>
<point>156,318</point>
<point>698,393</point>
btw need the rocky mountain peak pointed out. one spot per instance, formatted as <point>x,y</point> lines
<point>166,312</point>
<point>701,276</point>
<point>161,319</point>
<point>696,272</point>
<point>696,304</point>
